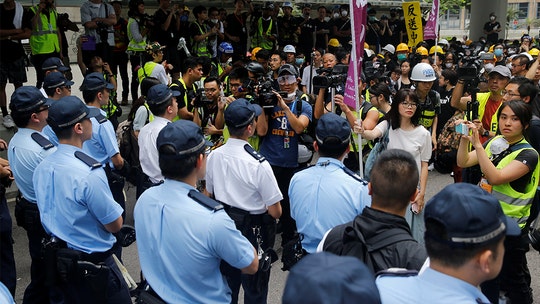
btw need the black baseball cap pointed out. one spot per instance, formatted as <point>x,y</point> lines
<point>241,112</point>
<point>470,216</point>
<point>69,110</point>
<point>287,68</point>
<point>184,136</point>
<point>27,98</point>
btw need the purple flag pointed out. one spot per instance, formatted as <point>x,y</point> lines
<point>359,22</point>
<point>430,31</point>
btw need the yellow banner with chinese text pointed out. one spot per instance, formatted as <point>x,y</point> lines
<point>413,22</point>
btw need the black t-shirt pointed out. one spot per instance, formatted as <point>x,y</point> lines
<point>343,25</point>
<point>320,25</point>
<point>287,30</point>
<point>447,111</point>
<point>305,40</point>
<point>236,26</point>
<point>488,27</point>
<point>10,50</point>
<point>396,26</point>
<point>170,36</point>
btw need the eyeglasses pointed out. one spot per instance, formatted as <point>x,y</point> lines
<point>408,104</point>
<point>509,94</point>
<point>44,108</point>
<point>286,79</point>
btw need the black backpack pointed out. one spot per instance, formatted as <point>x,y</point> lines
<point>346,240</point>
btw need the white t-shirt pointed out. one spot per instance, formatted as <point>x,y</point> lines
<point>416,141</point>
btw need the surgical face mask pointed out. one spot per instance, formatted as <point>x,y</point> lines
<point>448,65</point>
<point>488,67</point>
<point>401,56</point>
<point>344,13</point>
<point>299,61</point>
<point>498,52</point>
<point>290,96</point>
<point>326,18</point>
<point>492,18</point>
<point>214,20</point>
<point>498,145</point>
<point>267,18</point>
<point>336,15</point>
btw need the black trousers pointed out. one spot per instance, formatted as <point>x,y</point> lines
<point>119,61</point>
<point>8,274</point>
<point>288,225</point>
<point>514,278</point>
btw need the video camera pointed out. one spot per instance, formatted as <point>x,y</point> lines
<point>331,78</point>
<point>263,92</point>
<point>103,31</point>
<point>200,99</point>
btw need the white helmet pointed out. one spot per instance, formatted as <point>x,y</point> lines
<point>390,48</point>
<point>423,72</point>
<point>304,154</point>
<point>289,49</point>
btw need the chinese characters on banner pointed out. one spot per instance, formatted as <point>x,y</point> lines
<point>430,31</point>
<point>413,22</point>
<point>359,20</point>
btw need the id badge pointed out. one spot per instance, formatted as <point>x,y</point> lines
<point>286,142</point>
<point>484,184</point>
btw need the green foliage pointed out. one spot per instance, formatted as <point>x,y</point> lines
<point>445,5</point>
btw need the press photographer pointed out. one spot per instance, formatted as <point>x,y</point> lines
<point>330,81</point>
<point>206,104</point>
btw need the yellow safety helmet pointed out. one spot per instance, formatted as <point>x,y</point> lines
<point>491,49</point>
<point>422,51</point>
<point>436,48</point>
<point>334,42</point>
<point>254,52</point>
<point>366,46</point>
<point>534,52</point>
<point>402,47</point>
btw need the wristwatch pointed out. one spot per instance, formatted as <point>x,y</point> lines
<point>486,133</point>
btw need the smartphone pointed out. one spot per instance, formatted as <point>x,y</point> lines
<point>462,129</point>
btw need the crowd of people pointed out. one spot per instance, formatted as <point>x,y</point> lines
<point>230,144</point>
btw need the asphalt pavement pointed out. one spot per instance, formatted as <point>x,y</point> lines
<point>436,182</point>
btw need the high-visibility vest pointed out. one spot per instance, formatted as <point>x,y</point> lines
<point>200,48</point>
<point>44,38</point>
<point>482,99</point>
<point>259,40</point>
<point>515,204</point>
<point>134,45</point>
<point>146,70</point>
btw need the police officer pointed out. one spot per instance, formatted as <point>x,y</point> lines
<point>342,195</point>
<point>26,150</point>
<point>182,234</point>
<point>77,207</point>
<point>56,85</point>
<point>465,231</point>
<point>243,180</point>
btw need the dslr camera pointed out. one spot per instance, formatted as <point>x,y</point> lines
<point>200,99</point>
<point>331,78</point>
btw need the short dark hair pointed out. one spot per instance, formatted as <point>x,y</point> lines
<point>238,132</point>
<point>190,63</point>
<point>521,110</point>
<point>263,54</point>
<point>523,59</point>
<point>212,78</point>
<point>526,87</point>
<point>393,114</point>
<point>332,147</point>
<point>50,91</point>
<point>198,9</point>
<point>65,132</point>
<point>176,168</point>
<point>240,73</point>
<point>380,88</point>
<point>160,109</point>
<point>20,118</point>
<point>281,54</point>
<point>212,9</point>
<point>90,95</point>
<point>450,75</point>
<point>394,179</point>
<point>451,255</point>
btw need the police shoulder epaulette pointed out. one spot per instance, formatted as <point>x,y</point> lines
<point>204,200</point>
<point>42,141</point>
<point>397,272</point>
<point>92,163</point>
<point>354,175</point>
<point>249,149</point>
<point>101,118</point>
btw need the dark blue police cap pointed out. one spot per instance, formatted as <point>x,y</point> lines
<point>470,215</point>
<point>327,278</point>
<point>184,136</point>
<point>159,94</point>
<point>28,98</point>
<point>54,63</point>
<point>240,113</point>
<point>333,126</point>
<point>55,80</point>
<point>95,81</point>
<point>69,110</point>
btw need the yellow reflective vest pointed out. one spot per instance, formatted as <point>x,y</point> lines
<point>44,38</point>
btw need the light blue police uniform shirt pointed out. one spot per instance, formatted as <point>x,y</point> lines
<point>48,131</point>
<point>429,287</point>
<point>5,295</point>
<point>24,155</point>
<point>103,144</point>
<point>324,196</point>
<point>75,201</point>
<point>181,244</point>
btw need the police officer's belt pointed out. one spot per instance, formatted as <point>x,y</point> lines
<point>254,219</point>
